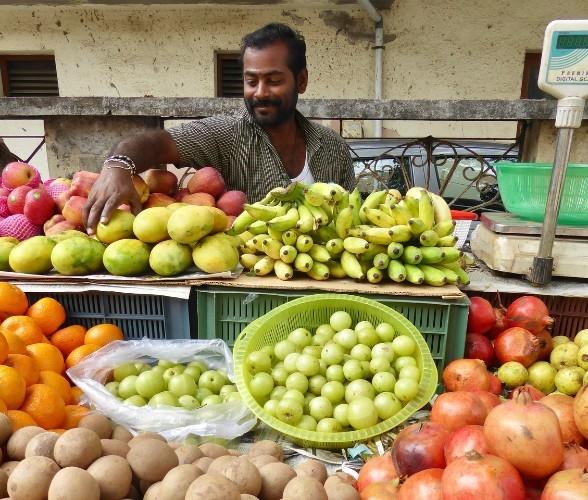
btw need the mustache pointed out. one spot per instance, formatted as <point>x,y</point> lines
<point>256,103</point>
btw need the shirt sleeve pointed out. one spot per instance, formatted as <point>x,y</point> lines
<point>345,173</point>
<point>204,142</point>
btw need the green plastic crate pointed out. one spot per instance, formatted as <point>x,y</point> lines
<point>224,313</point>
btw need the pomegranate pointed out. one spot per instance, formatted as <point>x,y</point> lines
<point>563,407</point>
<point>376,470</point>
<point>423,484</point>
<point>575,457</point>
<point>482,477</point>
<point>418,447</point>
<point>525,433</point>
<point>530,313</point>
<point>380,491</point>
<point>453,410</point>
<point>466,375</point>
<point>461,441</point>
<point>581,410</point>
<point>545,344</point>
<point>567,485</point>
<point>500,323</point>
<point>489,399</point>
<point>478,346</point>
<point>481,316</point>
<point>495,385</point>
<point>534,393</point>
<point>517,344</point>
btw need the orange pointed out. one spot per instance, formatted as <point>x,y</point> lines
<point>3,408</point>
<point>59,383</point>
<point>45,405</point>
<point>47,357</point>
<point>19,419</point>
<point>73,415</point>
<point>76,394</point>
<point>4,348</point>
<point>67,339</point>
<point>13,300</point>
<point>23,326</point>
<point>15,344</point>
<point>103,334</point>
<point>24,365</point>
<point>48,313</point>
<point>12,387</point>
<point>80,353</point>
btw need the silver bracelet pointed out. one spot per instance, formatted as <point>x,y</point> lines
<point>120,161</point>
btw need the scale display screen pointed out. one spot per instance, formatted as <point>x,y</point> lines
<point>572,42</point>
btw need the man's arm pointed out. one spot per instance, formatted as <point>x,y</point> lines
<point>115,187</point>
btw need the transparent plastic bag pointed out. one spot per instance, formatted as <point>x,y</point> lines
<point>226,420</point>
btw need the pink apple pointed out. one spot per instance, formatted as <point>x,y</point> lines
<point>161,181</point>
<point>39,206</point>
<point>17,174</point>
<point>207,180</point>
<point>16,199</point>
<point>232,202</point>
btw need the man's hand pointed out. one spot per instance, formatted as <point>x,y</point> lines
<point>113,188</point>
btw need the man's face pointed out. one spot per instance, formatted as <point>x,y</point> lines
<point>270,88</point>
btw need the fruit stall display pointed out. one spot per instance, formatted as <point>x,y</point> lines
<point>325,232</point>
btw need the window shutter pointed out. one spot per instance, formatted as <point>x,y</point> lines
<point>229,75</point>
<point>30,77</point>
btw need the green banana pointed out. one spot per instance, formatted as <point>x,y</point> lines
<point>336,270</point>
<point>283,271</point>
<point>319,271</point>
<point>343,202</point>
<point>288,253</point>
<point>379,218</point>
<point>371,253</point>
<point>286,221</point>
<point>381,261</point>
<point>276,235</point>
<point>355,245</point>
<point>401,233</point>
<point>440,208</point>
<point>289,237</point>
<point>272,248</point>
<point>324,233</point>
<point>374,275</point>
<point>414,274</point>
<point>450,276</point>
<point>241,223</point>
<point>313,197</point>
<point>319,253</point>
<point>306,222</point>
<point>303,262</point>
<point>432,255</point>
<point>444,228</point>
<point>426,211</point>
<point>395,250</point>
<point>344,222</point>
<point>401,213</point>
<point>355,204</point>
<point>292,192</point>
<point>258,227</point>
<point>452,254</point>
<point>412,206</point>
<point>412,255</point>
<point>334,247</point>
<point>428,238</point>
<point>264,212</point>
<point>377,235</point>
<point>464,279</point>
<point>372,201</point>
<point>447,241</point>
<point>249,260</point>
<point>351,265</point>
<point>417,226</point>
<point>264,266</point>
<point>396,271</point>
<point>304,243</point>
<point>433,276</point>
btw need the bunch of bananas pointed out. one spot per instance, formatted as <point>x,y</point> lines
<point>324,231</point>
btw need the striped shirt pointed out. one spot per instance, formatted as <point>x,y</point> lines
<point>244,155</point>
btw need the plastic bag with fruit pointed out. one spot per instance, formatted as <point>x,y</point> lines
<point>175,377</point>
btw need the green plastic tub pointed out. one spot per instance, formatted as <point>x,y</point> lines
<point>524,186</point>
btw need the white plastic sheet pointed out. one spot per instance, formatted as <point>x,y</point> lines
<point>226,420</point>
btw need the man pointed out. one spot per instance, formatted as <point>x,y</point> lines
<point>270,144</point>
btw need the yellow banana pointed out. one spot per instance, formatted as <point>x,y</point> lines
<point>303,262</point>
<point>351,265</point>
<point>396,271</point>
<point>244,236</point>
<point>344,222</point>
<point>289,237</point>
<point>401,233</point>
<point>283,271</point>
<point>440,207</point>
<point>414,275</point>
<point>426,211</point>
<point>412,205</point>
<point>336,270</point>
<point>381,261</point>
<point>355,245</point>
<point>251,245</point>
<point>276,235</point>
<point>241,223</point>
<point>304,243</point>
<point>319,271</point>
<point>447,241</point>
<point>258,241</point>
<point>444,228</point>
<point>395,250</point>
<point>372,201</point>
<point>401,214</point>
<point>428,238</point>
<point>249,260</point>
<point>355,204</point>
<point>417,226</point>
<point>286,221</point>
<point>319,253</point>
<point>374,275</point>
<point>377,235</point>
<point>258,227</point>
<point>335,247</point>
<point>272,248</point>
<point>288,254</point>
<point>306,221</point>
<point>433,276</point>
<point>264,212</point>
<point>264,266</point>
<point>379,218</point>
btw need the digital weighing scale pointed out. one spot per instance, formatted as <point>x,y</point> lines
<point>508,243</point>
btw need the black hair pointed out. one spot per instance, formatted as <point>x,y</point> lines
<point>278,33</point>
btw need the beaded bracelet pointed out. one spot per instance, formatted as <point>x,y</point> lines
<point>120,161</point>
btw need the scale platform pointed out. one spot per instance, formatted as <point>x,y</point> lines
<point>507,243</point>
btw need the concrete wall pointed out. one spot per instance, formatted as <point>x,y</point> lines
<point>436,49</point>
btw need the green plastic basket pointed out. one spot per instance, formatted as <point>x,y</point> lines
<point>310,312</point>
<point>524,186</point>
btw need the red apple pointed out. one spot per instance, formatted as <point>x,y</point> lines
<point>161,181</point>
<point>17,174</point>
<point>207,180</point>
<point>141,188</point>
<point>72,211</point>
<point>158,200</point>
<point>39,206</point>
<point>180,193</point>
<point>232,202</point>
<point>82,183</point>
<point>60,227</point>
<point>199,199</point>
<point>16,199</point>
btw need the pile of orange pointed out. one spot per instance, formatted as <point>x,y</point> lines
<point>34,355</point>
